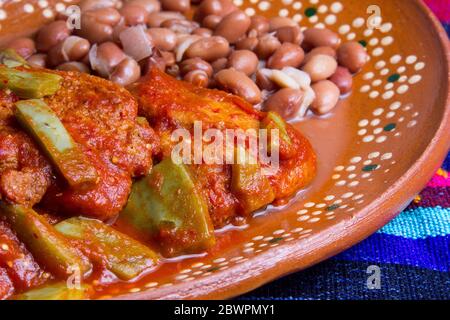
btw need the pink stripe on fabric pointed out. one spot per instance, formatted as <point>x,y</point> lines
<point>441,8</point>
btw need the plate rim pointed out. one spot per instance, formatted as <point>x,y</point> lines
<point>367,221</point>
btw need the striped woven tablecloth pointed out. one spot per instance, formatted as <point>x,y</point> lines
<point>412,253</point>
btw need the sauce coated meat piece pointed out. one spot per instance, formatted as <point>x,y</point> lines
<point>170,104</point>
<point>102,118</point>
<point>24,172</point>
<point>19,264</point>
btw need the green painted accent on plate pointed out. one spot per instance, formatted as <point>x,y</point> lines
<point>394,77</point>
<point>275,240</point>
<point>370,167</point>
<point>311,11</point>
<point>332,207</point>
<point>363,43</point>
<point>390,127</point>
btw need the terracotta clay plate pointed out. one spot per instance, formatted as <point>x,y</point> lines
<point>375,152</point>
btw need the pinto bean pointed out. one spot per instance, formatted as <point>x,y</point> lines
<point>291,34</point>
<point>209,49</point>
<point>263,82</point>
<point>320,67</point>
<point>156,60</point>
<point>267,45</point>
<point>74,66</point>
<point>211,21</point>
<point>163,38</point>
<point>247,43</point>
<point>197,77</point>
<point>243,60</point>
<point>196,64</point>
<point>126,72</point>
<point>203,32</point>
<point>233,26</point>
<point>214,7</point>
<point>38,60</point>
<point>155,19</point>
<point>276,23</point>
<point>148,5</point>
<point>25,47</point>
<point>320,50</point>
<point>176,5</point>
<point>180,25</point>
<point>97,26</point>
<point>239,84</point>
<point>260,24</point>
<point>73,48</point>
<point>169,58</point>
<point>134,14</point>
<point>219,64</point>
<point>87,5</point>
<point>315,37</point>
<point>343,79</point>
<point>287,55</point>
<point>327,97</point>
<point>352,55</point>
<point>286,102</point>
<point>108,56</point>
<point>51,34</point>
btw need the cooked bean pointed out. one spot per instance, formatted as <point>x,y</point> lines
<point>108,56</point>
<point>73,66</point>
<point>327,97</point>
<point>155,19</point>
<point>126,72</point>
<point>25,47</point>
<point>315,37</point>
<point>343,79</point>
<point>239,84</point>
<point>267,45</point>
<point>163,38</point>
<point>211,21</point>
<point>214,7</point>
<point>286,102</point>
<point>247,43</point>
<point>156,60</point>
<point>180,25</point>
<point>148,5</point>
<point>260,24</point>
<point>134,14</point>
<point>174,70</point>
<point>219,64</point>
<point>276,23</point>
<point>287,55</point>
<point>87,5</point>
<point>97,26</point>
<point>197,77</point>
<point>291,34</point>
<point>203,32</point>
<point>233,26</point>
<point>209,49</point>
<point>352,55</point>
<point>51,34</point>
<point>73,48</point>
<point>320,67</point>
<point>196,64</point>
<point>243,60</point>
<point>176,5</point>
<point>38,60</point>
<point>320,50</point>
<point>169,58</point>
<point>263,82</point>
